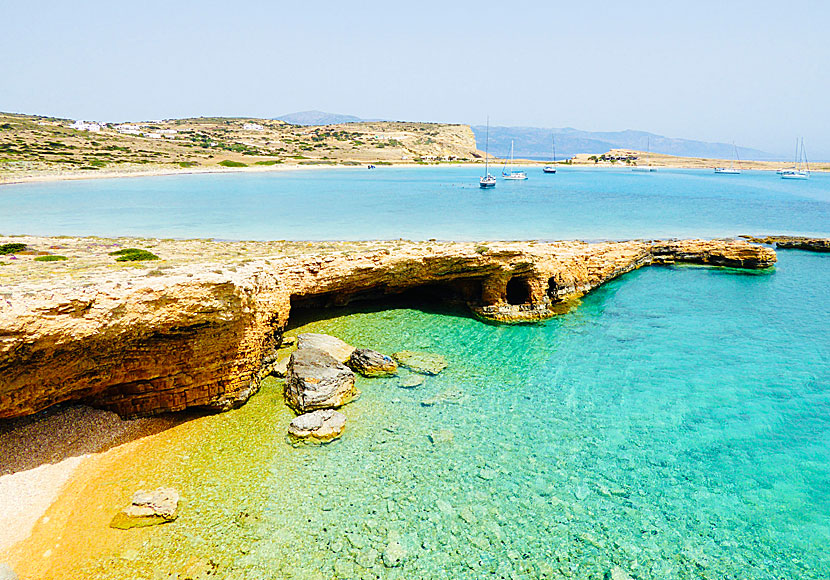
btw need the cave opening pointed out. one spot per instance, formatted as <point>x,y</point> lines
<point>517,291</point>
<point>553,289</point>
<point>448,297</point>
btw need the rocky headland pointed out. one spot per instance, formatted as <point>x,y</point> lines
<point>201,327</point>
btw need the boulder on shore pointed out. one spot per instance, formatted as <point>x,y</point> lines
<point>371,363</point>
<point>315,380</point>
<point>334,347</point>
<point>319,426</point>
<point>425,363</point>
<point>148,508</point>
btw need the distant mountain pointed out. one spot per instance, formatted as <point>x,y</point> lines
<point>319,118</point>
<point>535,143</point>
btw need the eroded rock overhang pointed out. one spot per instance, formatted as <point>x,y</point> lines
<point>205,337</point>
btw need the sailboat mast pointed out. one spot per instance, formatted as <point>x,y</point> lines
<point>804,154</point>
<point>487,149</point>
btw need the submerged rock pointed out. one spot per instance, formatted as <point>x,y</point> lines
<point>617,573</point>
<point>426,363</point>
<point>371,363</point>
<point>318,426</point>
<point>451,395</point>
<point>441,436</point>
<point>148,508</point>
<point>334,347</point>
<point>315,380</point>
<point>412,381</point>
<point>394,554</point>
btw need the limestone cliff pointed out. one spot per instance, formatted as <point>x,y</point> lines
<point>203,334</point>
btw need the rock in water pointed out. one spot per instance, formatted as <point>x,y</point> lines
<point>148,508</point>
<point>412,381</point>
<point>371,363</point>
<point>394,554</point>
<point>426,363</point>
<point>315,380</point>
<point>617,573</point>
<point>334,347</point>
<point>318,426</point>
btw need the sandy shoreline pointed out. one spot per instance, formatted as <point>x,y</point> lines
<point>41,456</point>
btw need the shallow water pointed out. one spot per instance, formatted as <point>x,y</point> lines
<point>676,424</point>
<point>423,203</point>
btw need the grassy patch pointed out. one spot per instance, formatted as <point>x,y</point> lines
<point>7,249</point>
<point>133,255</point>
<point>229,163</point>
<point>187,164</point>
<point>51,258</point>
<point>272,162</point>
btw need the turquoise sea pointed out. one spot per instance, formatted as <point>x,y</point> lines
<point>422,203</point>
<point>675,424</point>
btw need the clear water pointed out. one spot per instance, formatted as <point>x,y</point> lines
<point>422,203</point>
<point>675,424</point>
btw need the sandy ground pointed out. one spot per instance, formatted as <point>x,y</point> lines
<point>40,454</point>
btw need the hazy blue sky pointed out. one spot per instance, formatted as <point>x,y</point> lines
<point>751,71</point>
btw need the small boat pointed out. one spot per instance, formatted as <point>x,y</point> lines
<point>645,168</point>
<point>487,181</point>
<point>731,170</point>
<point>551,167</point>
<point>512,175</point>
<point>800,169</point>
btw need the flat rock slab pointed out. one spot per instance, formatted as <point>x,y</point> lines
<point>148,508</point>
<point>334,347</point>
<point>371,363</point>
<point>425,363</point>
<point>319,426</point>
<point>315,380</point>
<point>412,381</point>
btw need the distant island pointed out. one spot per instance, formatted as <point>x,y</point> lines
<point>34,147</point>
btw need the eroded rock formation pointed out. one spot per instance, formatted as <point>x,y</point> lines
<point>203,335</point>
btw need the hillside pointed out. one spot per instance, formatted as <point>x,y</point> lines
<point>32,146</point>
<point>535,143</point>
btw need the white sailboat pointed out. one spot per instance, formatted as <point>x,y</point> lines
<point>647,168</point>
<point>801,169</point>
<point>487,181</point>
<point>731,170</point>
<point>512,175</point>
<point>551,167</point>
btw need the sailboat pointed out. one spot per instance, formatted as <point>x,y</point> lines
<point>551,167</point>
<point>800,170</point>
<point>731,170</point>
<point>487,181</point>
<point>648,168</point>
<point>514,175</point>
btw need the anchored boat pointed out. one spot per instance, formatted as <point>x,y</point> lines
<point>551,167</point>
<point>487,180</point>
<point>801,169</point>
<point>512,175</point>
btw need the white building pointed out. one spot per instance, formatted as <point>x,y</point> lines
<point>253,127</point>
<point>86,126</point>
<point>128,129</point>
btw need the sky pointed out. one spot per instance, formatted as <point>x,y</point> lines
<point>753,72</point>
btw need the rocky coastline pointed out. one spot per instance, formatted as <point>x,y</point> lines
<point>143,339</point>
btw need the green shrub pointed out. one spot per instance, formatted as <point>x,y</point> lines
<point>6,249</point>
<point>229,163</point>
<point>271,162</point>
<point>482,250</point>
<point>187,163</point>
<point>51,258</point>
<point>133,255</point>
